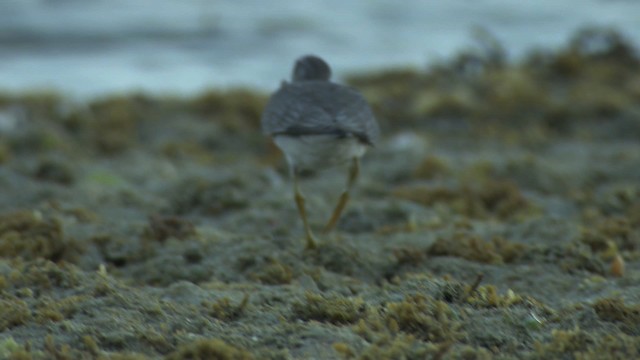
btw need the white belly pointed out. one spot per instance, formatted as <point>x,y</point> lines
<point>316,152</point>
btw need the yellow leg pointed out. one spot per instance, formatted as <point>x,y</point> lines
<point>311,242</point>
<point>354,170</point>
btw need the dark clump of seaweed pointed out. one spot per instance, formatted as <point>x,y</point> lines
<point>121,251</point>
<point>389,348</point>
<point>331,308</point>
<point>274,272</point>
<point>615,310</point>
<point>408,256</point>
<point>581,344</point>
<point>31,276</point>
<point>472,247</point>
<point>39,104</point>
<point>51,349</point>
<point>602,46</point>
<point>36,124</point>
<point>502,199</point>
<point>209,349</point>
<point>573,258</point>
<point>431,167</point>
<point>216,197</point>
<point>115,123</point>
<point>553,92</point>
<point>13,312</point>
<point>56,171</point>
<point>408,347</point>
<point>342,258</point>
<point>238,111</point>
<point>160,228</point>
<point>30,235</point>
<point>424,317</point>
<point>224,309</point>
<point>55,310</point>
<point>611,233</point>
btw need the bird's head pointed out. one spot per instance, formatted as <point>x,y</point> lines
<point>311,68</point>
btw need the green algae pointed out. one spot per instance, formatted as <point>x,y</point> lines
<point>423,317</point>
<point>580,344</point>
<point>493,198</point>
<point>474,248</point>
<point>431,167</point>
<point>161,228</point>
<point>615,310</point>
<point>223,309</point>
<point>518,95</point>
<point>332,309</point>
<point>274,273</point>
<point>13,312</point>
<point>209,349</point>
<point>30,235</point>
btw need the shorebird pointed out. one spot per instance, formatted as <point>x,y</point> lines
<point>319,124</point>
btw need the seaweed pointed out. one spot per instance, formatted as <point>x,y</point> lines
<point>615,310</point>
<point>161,228</point>
<point>580,344</point>
<point>333,309</point>
<point>55,171</point>
<point>238,111</point>
<point>274,273</point>
<point>30,235</point>
<point>559,91</point>
<point>503,200</point>
<point>431,167</point>
<point>223,309</point>
<point>203,349</point>
<point>472,247</point>
<point>13,312</point>
<point>115,122</point>
<point>424,317</point>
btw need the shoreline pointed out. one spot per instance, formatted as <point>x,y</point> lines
<point>498,218</point>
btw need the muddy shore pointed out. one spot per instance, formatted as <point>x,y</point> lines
<point>498,218</point>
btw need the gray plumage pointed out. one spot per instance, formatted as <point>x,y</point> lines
<point>313,105</point>
<point>319,124</point>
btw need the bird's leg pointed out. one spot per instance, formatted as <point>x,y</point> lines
<point>311,242</point>
<point>354,170</point>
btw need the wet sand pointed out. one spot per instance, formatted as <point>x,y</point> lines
<point>498,218</point>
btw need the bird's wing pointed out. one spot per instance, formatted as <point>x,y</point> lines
<point>355,115</point>
<point>294,106</point>
<point>319,108</point>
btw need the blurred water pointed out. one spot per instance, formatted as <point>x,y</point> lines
<point>91,47</point>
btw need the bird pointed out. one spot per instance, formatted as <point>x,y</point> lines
<point>319,124</point>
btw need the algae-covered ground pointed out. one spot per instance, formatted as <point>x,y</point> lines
<point>499,217</point>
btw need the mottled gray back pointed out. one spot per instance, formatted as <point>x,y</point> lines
<point>310,107</point>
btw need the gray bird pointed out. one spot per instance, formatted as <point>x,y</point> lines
<point>319,124</point>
